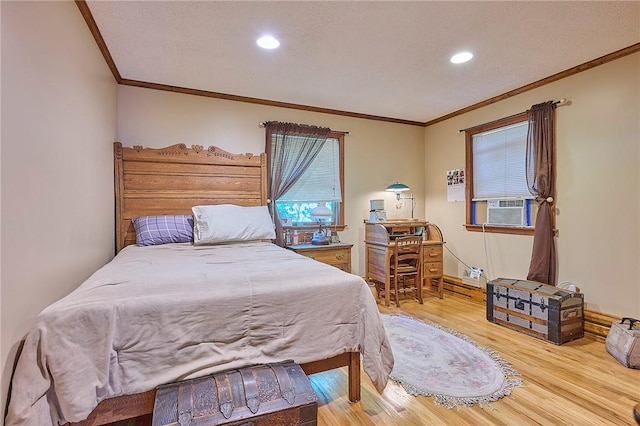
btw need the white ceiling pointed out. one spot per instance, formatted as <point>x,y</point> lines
<point>388,59</point>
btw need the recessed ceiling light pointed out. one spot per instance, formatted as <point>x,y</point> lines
<point>461,57</point>
<point>268,42</point>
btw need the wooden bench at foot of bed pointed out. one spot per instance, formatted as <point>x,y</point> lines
<point>131,406</point>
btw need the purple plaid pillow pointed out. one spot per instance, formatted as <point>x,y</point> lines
<point>154,230</point>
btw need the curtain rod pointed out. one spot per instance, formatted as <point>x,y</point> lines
<point>261,124</point>
<point>561,102</point>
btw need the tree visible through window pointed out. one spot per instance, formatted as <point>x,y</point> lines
<point>305,170</point>
<point>319,185</point>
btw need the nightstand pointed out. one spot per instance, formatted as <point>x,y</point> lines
<point>336,254</point>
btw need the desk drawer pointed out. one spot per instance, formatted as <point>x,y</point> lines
<point>432,269</point>
<point>432,261</point>
<point>432,253</point>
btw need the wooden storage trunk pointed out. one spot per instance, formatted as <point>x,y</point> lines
<point>536,309</point>
<point>623,342</point>
<point>270,394</point>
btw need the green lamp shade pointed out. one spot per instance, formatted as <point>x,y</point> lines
<point>397,187</point>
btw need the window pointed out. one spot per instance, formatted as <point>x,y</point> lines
<point>498,160</point>
<point>321,184</point>
<point>497,196</point>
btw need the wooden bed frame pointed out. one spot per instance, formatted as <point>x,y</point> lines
<point>171,180</point>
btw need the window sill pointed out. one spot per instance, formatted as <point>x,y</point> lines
<point>517,230</point>
<point>313,227</point>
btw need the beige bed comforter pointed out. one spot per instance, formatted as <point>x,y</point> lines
<point>164,313</point>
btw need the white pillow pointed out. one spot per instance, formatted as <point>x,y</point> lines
<point>226,223</point>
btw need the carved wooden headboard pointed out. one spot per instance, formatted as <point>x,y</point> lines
<point>171,180</point>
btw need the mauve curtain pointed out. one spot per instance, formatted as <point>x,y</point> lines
<point>290,150</point>
<point>541,182</point>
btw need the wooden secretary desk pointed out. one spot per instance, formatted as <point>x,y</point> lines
<point>379,238</point>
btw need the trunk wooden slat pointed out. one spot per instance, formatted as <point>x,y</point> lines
<point>264,394</point>
<point>536,309</point>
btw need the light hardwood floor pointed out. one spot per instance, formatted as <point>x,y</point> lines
<point>577,383</point>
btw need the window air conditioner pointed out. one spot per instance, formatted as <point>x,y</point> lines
<point>506,212</point>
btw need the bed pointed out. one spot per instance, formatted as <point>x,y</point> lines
<point>163,313</point>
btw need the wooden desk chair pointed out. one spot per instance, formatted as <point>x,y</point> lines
<point>406,262</point>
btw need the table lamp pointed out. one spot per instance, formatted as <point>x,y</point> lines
<point>401,187</point>
<point>321,213</point>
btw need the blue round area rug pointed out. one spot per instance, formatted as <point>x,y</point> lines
<point>433,361</point>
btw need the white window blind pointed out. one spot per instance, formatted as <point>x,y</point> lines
<point>499,162</point>
<point>321,181</point>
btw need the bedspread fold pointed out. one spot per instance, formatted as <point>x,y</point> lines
<point>160,314</point>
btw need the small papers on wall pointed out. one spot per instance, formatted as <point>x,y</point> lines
<point>455,185</point>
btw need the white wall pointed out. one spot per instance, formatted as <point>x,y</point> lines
<point>58,127</point>
<point>598,187</point>
<point>376,153</point>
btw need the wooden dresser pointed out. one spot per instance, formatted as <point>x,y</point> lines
<point>379,240</point>
<point>335,254</point>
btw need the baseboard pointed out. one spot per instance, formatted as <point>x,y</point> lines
<point>455,287</point>
<point>595,323</point>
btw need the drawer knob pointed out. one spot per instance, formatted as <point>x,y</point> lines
<point>339,256</point>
